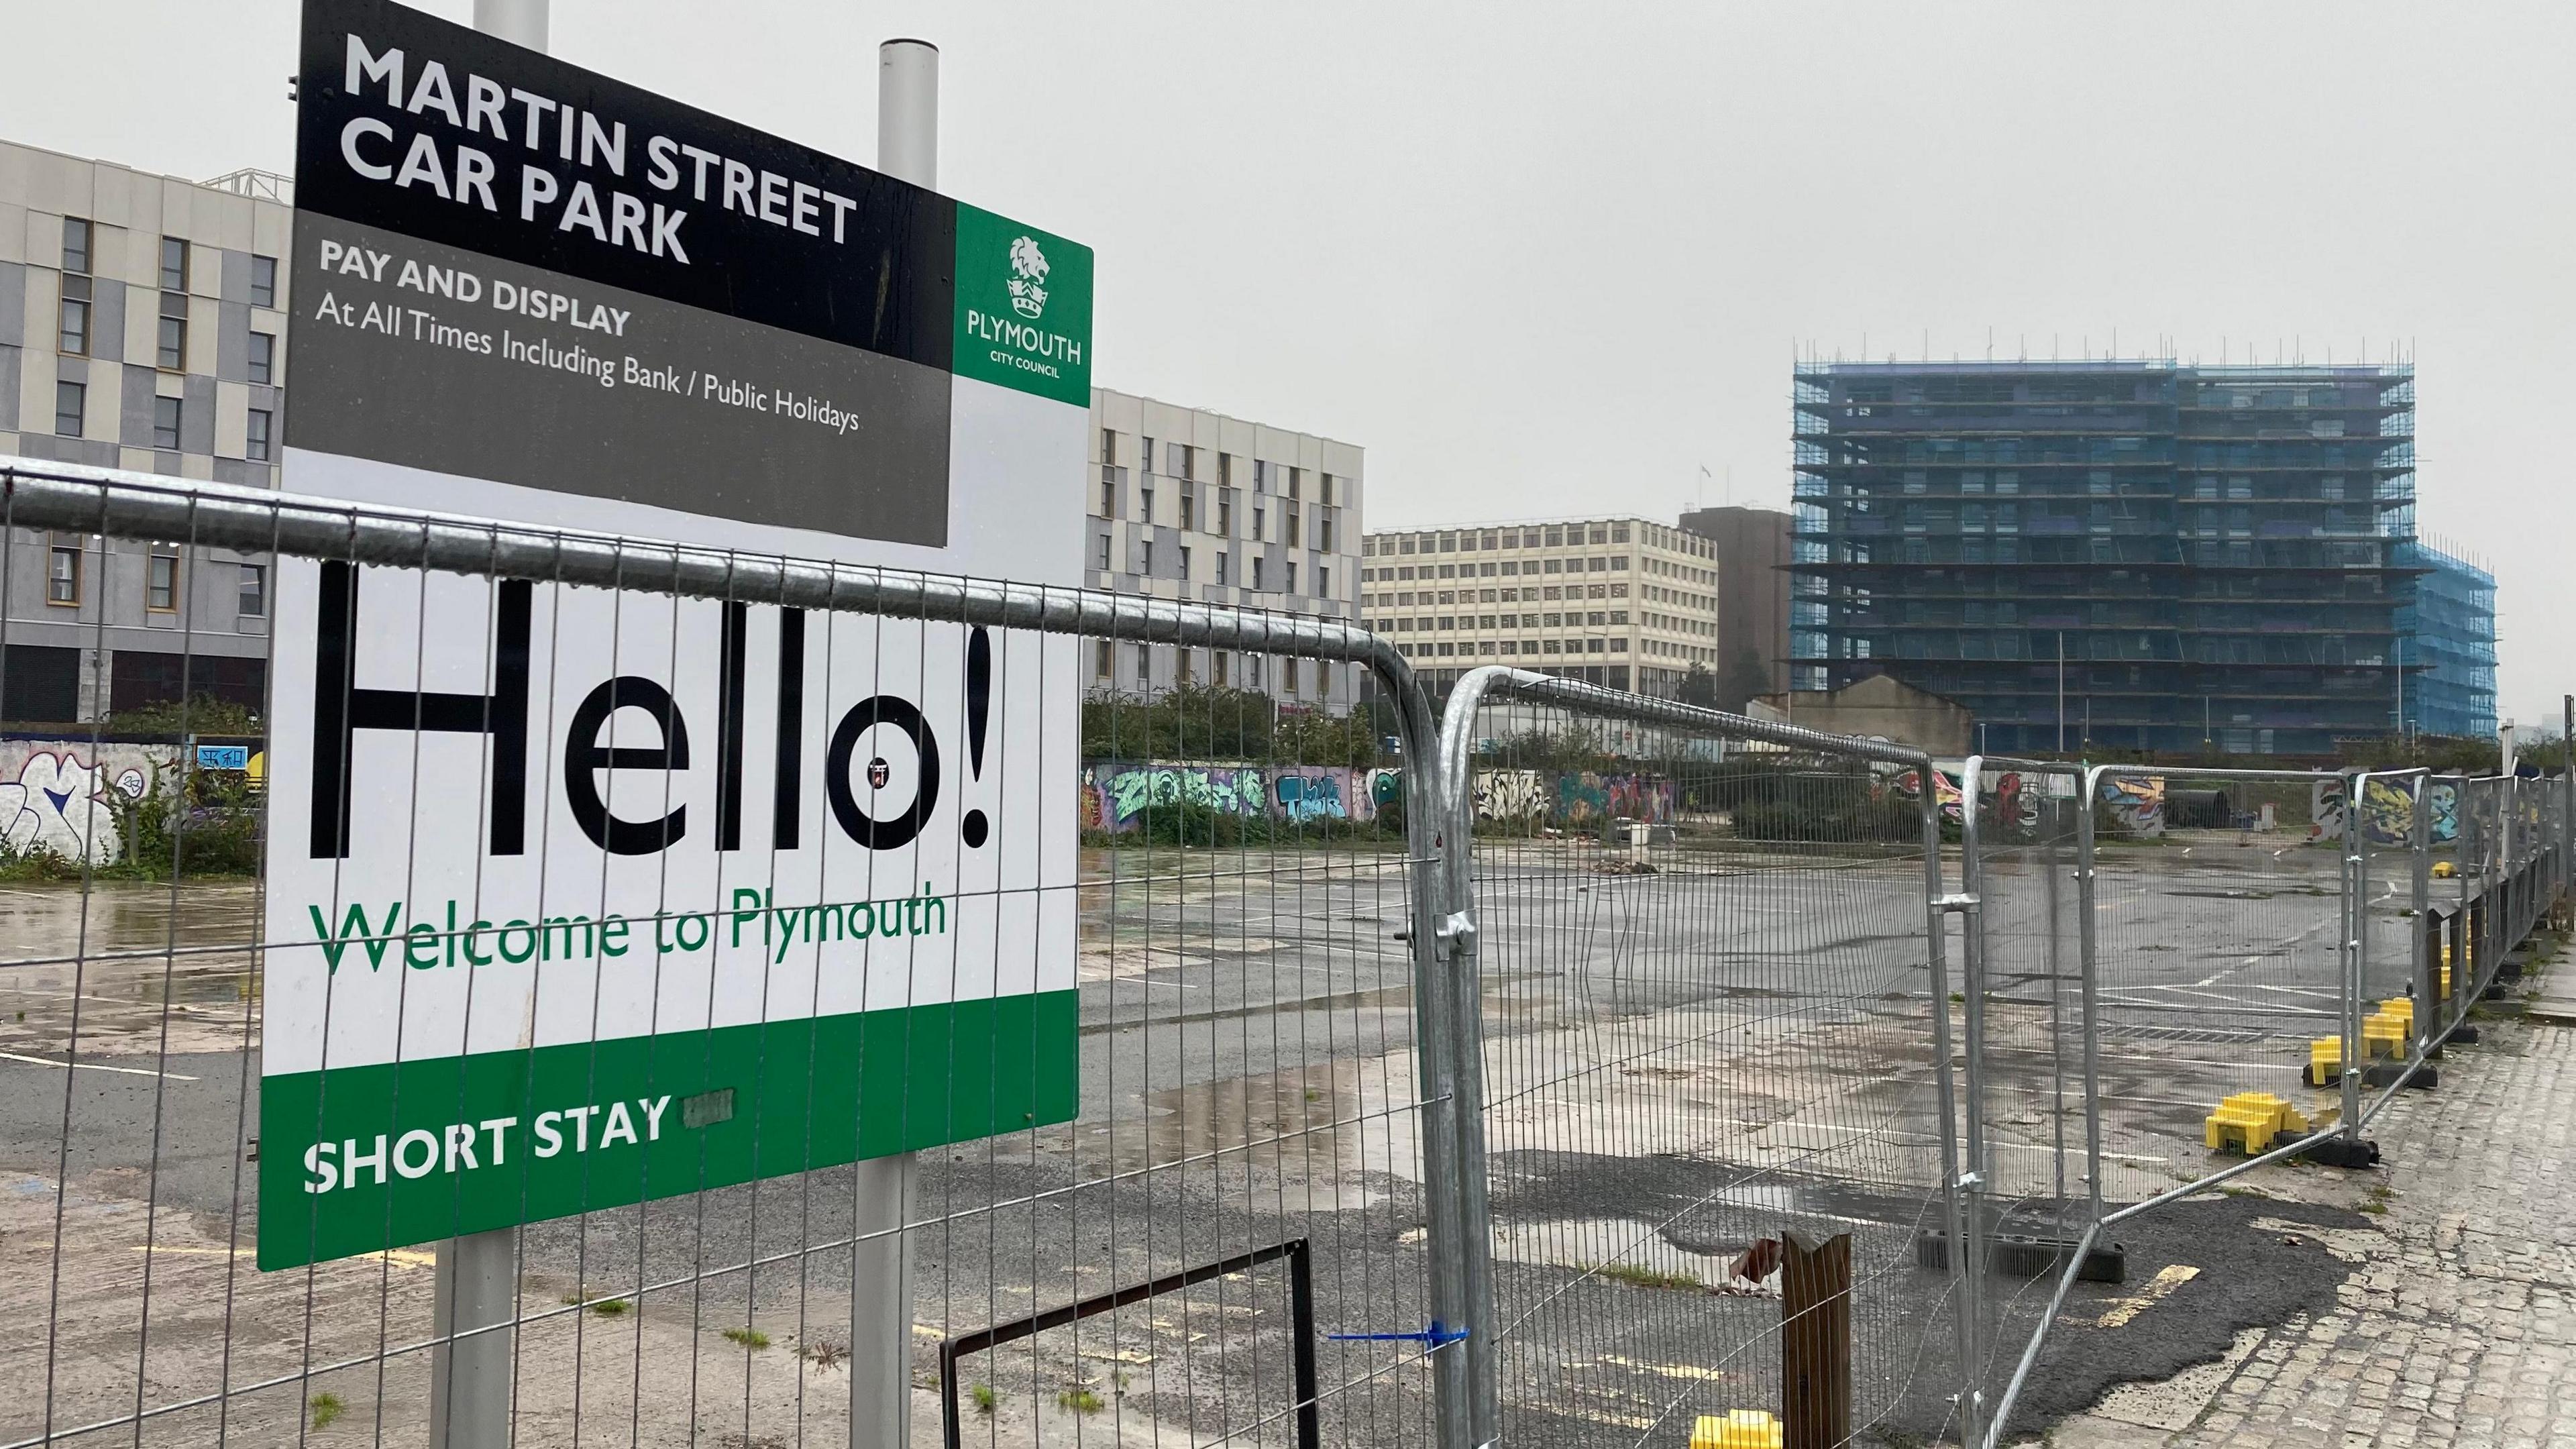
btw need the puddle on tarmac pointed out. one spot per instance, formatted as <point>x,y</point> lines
<point>1325,1126</point>
<point>109,955</point>
<point>39,921</point>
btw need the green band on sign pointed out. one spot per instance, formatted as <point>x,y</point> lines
<point>410,1152</point>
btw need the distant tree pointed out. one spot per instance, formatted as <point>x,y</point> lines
<point>1699,687</point>
<point>1745,677</point>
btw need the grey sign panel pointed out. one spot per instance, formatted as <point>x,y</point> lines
<point>454,362</point>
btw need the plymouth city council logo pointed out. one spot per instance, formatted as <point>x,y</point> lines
<point>1028,278</point>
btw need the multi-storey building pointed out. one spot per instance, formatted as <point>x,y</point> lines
<point>2449,630</point>
<point>1753,551</point>
<point>142,325</point>
<point>1194,505</point>
<point>1623,602</point>
<point>2212,552</point>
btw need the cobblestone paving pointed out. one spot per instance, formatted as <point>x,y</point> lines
<point>2458,1326</point>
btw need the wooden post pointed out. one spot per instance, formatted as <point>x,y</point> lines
<point>1815,1341</point>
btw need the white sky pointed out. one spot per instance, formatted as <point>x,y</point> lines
<point>1542,260</point>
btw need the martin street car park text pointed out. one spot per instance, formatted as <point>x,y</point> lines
<point>511,117</point>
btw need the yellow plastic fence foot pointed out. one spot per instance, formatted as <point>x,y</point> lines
<point>2250,1120</point>
<point>1740,1429</point>
<point>2325,1061</point>
<point>2384,1032</point>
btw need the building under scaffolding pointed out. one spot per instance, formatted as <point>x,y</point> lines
<point>2448,627</point>
<point>2120,554</point>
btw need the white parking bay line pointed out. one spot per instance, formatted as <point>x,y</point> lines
<point>94,1067</point>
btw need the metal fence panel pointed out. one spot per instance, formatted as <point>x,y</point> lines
<point>2032,1068</point>
<point>1249,1058</point>
<point>1713,1013</point>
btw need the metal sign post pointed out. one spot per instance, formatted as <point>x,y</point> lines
<point>881,1251</point>
<point>477,1276</point>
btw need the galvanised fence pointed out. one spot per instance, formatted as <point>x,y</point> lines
<point>1580,1066</point>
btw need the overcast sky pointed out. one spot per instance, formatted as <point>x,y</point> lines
<point>1541,261</point>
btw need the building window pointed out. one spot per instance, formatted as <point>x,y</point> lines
<point>254,591</point>
<point>1288,675</point>
<point>1292,576</point>
<point>1217,668</point>
<point>161,580</point>
<point>1185,562</point>
<point>72,335</point>
<point>1177,460</point>
<point>1102,659</point>
<point>1225,510</point>
<point>1145,557</point>
<point>173,344</point>
<point>165,422</point>
<point>1323,582</point>
<point>71,401</point>
<point>263,282</point>
<point>1144,665</point>
<point>263,357</point>
<point>1256,571</point>
<point>174,264</point>
<point>255,437</point>
<point>1220,569</point>
<point>76,239</point>
<point>63,572</point>
<point>1102,563</point>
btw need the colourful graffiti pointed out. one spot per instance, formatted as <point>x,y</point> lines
<point>1910,785</point>
<point>1510,795</point>
<point>58,805</point>
<point>1311,795</point>
<point>2136,802</point>
<point>1583,796</point>
<point>2387,813</point>
<point>1385,788</point>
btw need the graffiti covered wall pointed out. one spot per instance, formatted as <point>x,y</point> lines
<point>60,796</point>
<point>1116,794</point>
<point>2137,803</point>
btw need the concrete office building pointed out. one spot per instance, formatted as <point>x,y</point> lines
<point>142,325</point>
<point>1193,505</point>
<point>1623,602</point>
<point>1753,557</point>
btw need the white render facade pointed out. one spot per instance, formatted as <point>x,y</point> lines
<point>142,326</point>
<point>1193,505</point>
<point>1623,602</point>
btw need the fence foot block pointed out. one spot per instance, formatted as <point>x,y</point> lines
<point>2385,1074</point>
<point>2025,1255</point>
<point>2336,1150</point>
<point>2464,1036</point>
